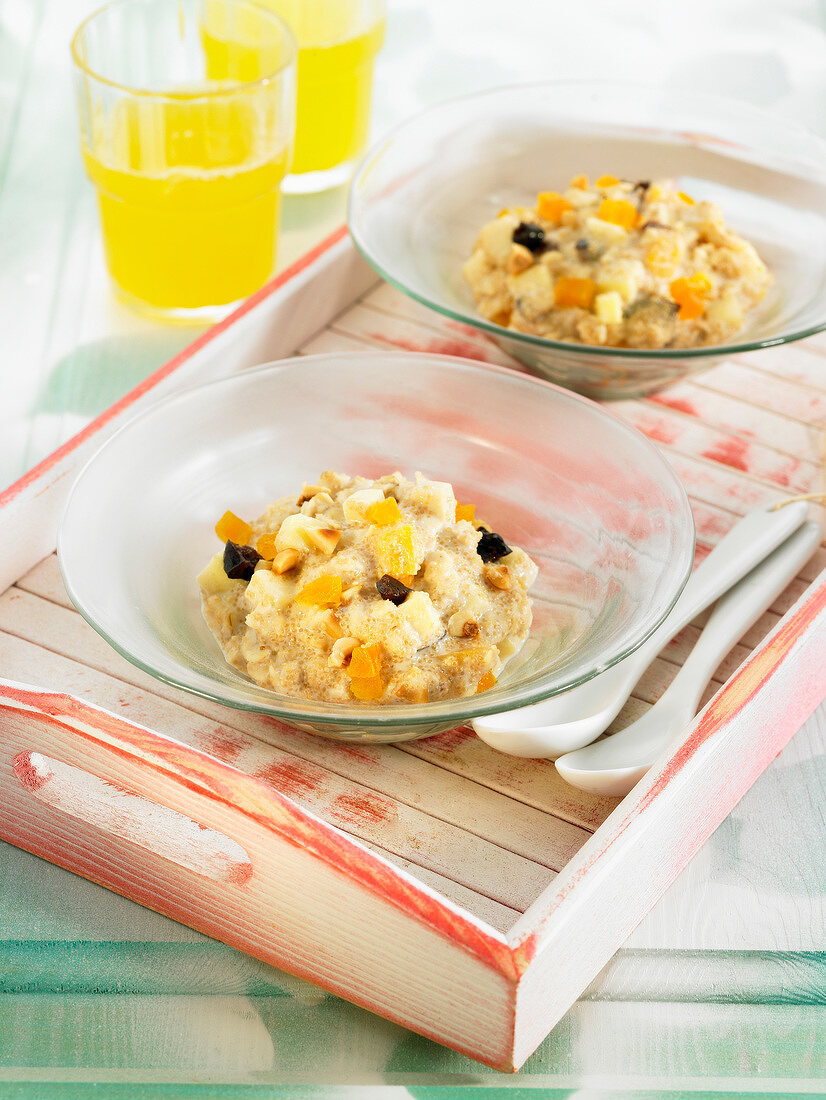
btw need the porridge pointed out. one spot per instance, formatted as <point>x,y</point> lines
<point>616,263</point>
<point>385,591</point>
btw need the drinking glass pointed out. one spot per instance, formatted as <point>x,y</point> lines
<point>187,166</point>
<point>337,44</point>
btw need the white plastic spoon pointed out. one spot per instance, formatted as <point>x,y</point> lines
<point>614,765</point>
<point>568,721</point>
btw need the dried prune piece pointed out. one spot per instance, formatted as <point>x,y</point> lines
<point>588,250</point>
<point>653,307</point>
<point>650,322</point>
<point>492,547</point>
<point>653,225</point>
<point>240,561</point>
<point>530,236</point>
<point>390,588</point>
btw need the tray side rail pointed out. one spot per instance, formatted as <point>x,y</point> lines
<point>223,852</point>
<point>659,827</point>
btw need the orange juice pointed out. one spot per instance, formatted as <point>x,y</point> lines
<point>189,194</point>
<point>335,84</point>
<point>338,41</point>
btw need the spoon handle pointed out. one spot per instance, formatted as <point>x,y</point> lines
<point>750,540</point>
<point>740,608</point>
<point>615,764</point>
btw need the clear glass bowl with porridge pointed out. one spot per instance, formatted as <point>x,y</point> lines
<point>585,497</point>
<point>420,198</point>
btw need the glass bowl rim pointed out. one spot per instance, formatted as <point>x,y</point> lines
<point>451,711</point>
<point>542,342</point>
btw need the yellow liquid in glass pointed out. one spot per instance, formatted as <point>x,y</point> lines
<point>335,77</point>
<point>189,201</point>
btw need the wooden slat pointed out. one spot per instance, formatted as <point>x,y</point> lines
<point>456,853</point>
<point>736,379</point>
<point>802,362</point>
<point>536,783</point>
<point>761,459</point>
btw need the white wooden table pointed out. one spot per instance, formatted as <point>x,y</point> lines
<point>722,988</point>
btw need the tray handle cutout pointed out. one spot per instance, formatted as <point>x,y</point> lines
<point>149,825</point>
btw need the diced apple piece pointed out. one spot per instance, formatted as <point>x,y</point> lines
<point>213,580</point>
<point>476,268</point>
<point>419,612</point>
<point>608,307</point>
<point>625,280</point>
<point>725,311</point>
<point>508,646</point>
<point>357,504</point>
<point>301,532</point>
<point>267,591</point>
<point>522,568</point>
<point>533,287</point>
<point>604,232</point>
<point>435,497</point>
<point>414,685</point>
<point>496,237</point>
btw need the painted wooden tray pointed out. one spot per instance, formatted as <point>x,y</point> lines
<point>468,895</point>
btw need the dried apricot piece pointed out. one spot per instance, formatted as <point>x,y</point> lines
<point>465,511</point>
<point>607,181</point>
<point>322,592</point>
<point>365,662</point>
<point>486,681</point>
<point>618,212</point>
<point>231,528</point>
<point>367,689</point>
<point>551,206</point>
<point>689,294</point>
<point>574,292</point>
<point>394,551</point>
<point>266,547</point>
<point>699,282</point>
<point>663,257</point>
<point>384,513</point>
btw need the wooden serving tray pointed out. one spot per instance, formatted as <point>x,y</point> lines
<point>468,895</point>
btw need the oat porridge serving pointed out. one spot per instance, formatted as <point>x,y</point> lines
<point>385,591</point>
<point>620,263</point>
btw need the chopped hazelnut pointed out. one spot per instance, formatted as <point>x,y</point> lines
<point>284,560</point>
<point>520,259</point>
<point>307,493</point>
<point>498,575</point>
<point>341,652</point>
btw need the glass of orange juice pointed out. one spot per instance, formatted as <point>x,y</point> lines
<point>187,166</point>
<point>337,44</point>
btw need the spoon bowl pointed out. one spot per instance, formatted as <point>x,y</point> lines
<point>574,719</point>
<point>614,765</point>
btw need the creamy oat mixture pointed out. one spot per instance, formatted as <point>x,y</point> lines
<point>386,591</point>
<point>617,263</point>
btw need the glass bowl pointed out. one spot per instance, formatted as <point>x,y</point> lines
<point>593,502</point>
<point>420,197</point>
